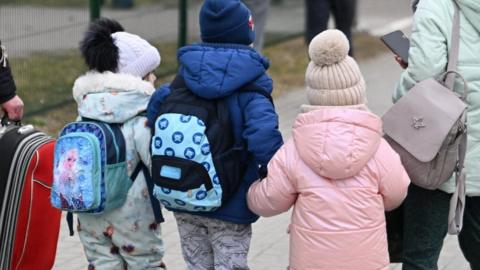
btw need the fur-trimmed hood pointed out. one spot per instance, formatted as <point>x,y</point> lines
<point>111,97</point>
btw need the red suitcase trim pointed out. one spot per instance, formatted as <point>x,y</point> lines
<point>38,223</point>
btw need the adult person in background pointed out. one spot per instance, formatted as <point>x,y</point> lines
<point>260,10</point>
<point>318,15</point>
<point>10,103</point>
<point>426,211</point>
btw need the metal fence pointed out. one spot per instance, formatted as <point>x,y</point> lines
<point>42,37</point>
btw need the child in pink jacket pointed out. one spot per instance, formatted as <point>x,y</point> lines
<point>336,170</point>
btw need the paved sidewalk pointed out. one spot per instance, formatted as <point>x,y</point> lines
<point>269,249</point>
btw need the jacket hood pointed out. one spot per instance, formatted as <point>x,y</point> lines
<point>337,143</point>
<point>470,9</point>
<point>217,70</point>
<point>111,97</point>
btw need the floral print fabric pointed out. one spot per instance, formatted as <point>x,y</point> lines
<point>125,236</point>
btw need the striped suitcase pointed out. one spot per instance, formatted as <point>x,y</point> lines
<point>29,226</point>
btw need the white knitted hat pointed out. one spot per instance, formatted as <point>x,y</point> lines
<point>135,55</point>
<point>333,78</point>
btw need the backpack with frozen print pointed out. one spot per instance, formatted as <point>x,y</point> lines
<point>90,171</point>
<point>196,165</point>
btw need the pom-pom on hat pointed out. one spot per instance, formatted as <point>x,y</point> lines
<point>226,21</point>
<point>332,77</point>
<point>106,47</point>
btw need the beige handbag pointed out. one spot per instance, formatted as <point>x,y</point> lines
<point>427,128</point>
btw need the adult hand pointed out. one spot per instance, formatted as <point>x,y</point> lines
<point>13,108</point>
<point>401,62</point>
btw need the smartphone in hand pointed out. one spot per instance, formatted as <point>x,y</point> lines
<point>398,43</point>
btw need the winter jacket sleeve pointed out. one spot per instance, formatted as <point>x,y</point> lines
<point>7,85</point>
<point>155,102</point>
<point>276,193</point>
<point>428,48</point>
<point>394,180</point>
<point>141,137</point>
<point>261,128</point>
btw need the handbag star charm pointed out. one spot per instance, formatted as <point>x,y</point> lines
<point>418,123</point>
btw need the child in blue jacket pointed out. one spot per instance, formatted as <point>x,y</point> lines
<point>217,69</point>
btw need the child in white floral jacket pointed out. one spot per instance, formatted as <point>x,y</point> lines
<point>118,87</point>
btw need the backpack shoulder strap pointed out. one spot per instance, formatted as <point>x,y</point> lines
<point>69,218</point>
<point>157,210</point>
<point>142,114</point>
<point>178,83</point>
<point>254,88</point>
<point>136,171</point>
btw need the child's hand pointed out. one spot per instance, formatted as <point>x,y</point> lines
<point>401,62</point>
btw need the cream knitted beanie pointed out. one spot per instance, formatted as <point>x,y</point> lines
<point>333,78</point>
<point>135,55</point>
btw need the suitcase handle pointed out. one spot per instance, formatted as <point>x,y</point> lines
<point>25,129</point>
<point>7,122</point>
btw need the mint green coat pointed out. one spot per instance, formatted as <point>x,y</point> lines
<point>126,236</point>
<point>428,57</point>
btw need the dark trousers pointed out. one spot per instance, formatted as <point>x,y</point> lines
<point>318,14</point>
<point>425,227</point>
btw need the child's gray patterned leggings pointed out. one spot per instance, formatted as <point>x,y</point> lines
<point>211,244</point>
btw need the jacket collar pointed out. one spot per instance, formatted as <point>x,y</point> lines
<point>95,82</point>
<point>305,108</point>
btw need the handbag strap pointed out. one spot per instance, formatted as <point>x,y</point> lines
<point>457,202</point>
<point>455,48</point>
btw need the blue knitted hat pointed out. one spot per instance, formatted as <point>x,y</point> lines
<point>226,21</point>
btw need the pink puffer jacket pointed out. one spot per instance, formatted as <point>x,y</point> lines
<point>340,175</point>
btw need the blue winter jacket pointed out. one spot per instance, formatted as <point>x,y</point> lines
<point>216,71</point>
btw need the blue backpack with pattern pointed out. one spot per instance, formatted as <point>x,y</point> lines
<point>90,171</point>
<point>196,164</point>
